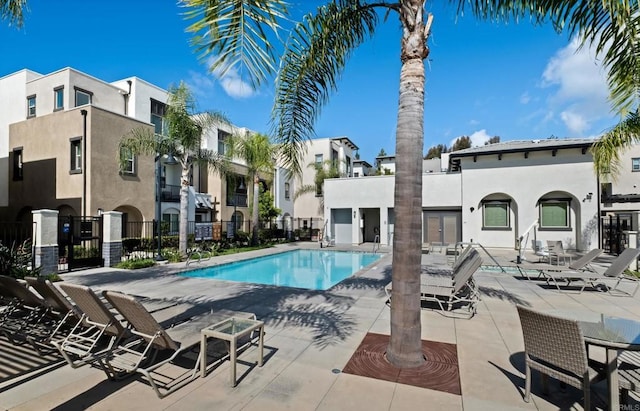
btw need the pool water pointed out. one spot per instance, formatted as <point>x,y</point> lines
<point>311,269</point>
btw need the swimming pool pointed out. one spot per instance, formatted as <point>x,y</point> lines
<point>311,269</point>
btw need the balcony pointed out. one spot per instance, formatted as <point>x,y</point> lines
<point>170,194</point>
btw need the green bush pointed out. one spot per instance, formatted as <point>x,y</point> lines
<point>15,261</point>
<point>172,255</point>
<point>136,263</point>
<point>81,252</point>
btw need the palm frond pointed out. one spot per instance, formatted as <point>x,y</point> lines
<point>215,162</point>
<point>139,141</point>
<point>305,189</point>
<point>255,149</point>
<point>237,34</point>
<point>316,54</point>
<point>13,11</point>
<point>608,150</point>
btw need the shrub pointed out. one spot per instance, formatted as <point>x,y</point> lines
<point>136,263</point>
<point>16,261</point>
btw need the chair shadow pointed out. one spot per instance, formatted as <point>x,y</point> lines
<point>93,395</point>
<point>562,396</point>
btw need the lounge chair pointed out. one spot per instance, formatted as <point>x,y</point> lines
<point>27,309</point>
<point>176,340</point>
<point>540,250</point>
<point>96,332</point>
<point>555,347</point>
<point>615,271</point>
<point>581,264</point>
<point>451,290</point>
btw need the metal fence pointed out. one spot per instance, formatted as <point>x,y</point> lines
<point>14,233</point>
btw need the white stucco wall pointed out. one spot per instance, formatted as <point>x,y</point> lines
<point>525,181</point>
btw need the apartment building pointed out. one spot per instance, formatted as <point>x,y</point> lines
<point>60,132</point>
<point>335,152</point>
<point>495,195</point>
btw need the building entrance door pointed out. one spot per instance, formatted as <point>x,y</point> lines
<point>442,227</point>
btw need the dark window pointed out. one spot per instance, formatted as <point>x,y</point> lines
<point>58,98</point>
<point>17,164</point>
<point>635,164</point>
<point>286,191</point>
<point>236,191</point>
<point>158,111</point>
<point>31,106</point>
<point>222,141</point>
<point>83,97</point>
<point>76,155</point>
<point>319,159</point>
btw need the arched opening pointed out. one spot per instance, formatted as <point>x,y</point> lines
<point>237,218</point>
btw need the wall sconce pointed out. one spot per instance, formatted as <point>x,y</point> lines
<point>587,197</point>
<point>354,213</point>
<point>100,212</point>
<point>471,209</point>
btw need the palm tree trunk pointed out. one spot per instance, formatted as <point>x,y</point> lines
<point>405,346</point>
<point>184,209</point>
<point>255,210</point>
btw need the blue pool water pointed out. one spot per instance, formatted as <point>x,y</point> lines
<point>311,269</point>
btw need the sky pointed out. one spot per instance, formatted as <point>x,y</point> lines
<point>517,81</point>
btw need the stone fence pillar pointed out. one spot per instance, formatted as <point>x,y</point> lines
<point>112,238</point>
<point>45,237</point>
<point>632,242</point>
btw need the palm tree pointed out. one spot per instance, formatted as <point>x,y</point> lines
<point>607,151</point>
<point>324,170</point>
<point>316,53</point>
<point>182,140</point>
<point>13,11</point>
<point>257,153</point>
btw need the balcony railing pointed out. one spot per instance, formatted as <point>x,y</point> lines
<point>239,200</point>
<point>170,193</point>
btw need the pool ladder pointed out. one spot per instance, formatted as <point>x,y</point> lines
<point>376,243</point>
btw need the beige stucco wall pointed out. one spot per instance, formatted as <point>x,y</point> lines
<point>48,182</point>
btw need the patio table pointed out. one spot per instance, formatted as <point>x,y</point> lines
<point>611,333</point>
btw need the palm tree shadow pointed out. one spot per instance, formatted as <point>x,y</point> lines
<point>503,295</point>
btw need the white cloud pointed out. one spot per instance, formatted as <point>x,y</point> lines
<point>525,98</point>
<point>200,84</point>
<point>231,82</point>
<point>578,86</point>
<point>478,138</point>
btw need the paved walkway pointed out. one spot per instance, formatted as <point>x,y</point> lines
<point>310,337</point>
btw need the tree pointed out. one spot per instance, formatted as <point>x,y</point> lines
<point>461,143</point>
<point>492,140</point>
<point>267,209</point>
<point>436,151</point>
<point>182,139</point>
<point>13,11</point>
<point>326,169</point>
<point>607,151</point>
<point>257,153</point>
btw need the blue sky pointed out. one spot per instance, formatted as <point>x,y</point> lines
<point>516,81</point>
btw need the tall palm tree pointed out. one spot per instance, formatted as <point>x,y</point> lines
<point>182,139</point>
<point>242,32</point>
<point>257,153</point>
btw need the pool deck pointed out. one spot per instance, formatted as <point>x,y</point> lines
<point>311,335</point>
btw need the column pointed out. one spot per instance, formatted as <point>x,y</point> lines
<point>112,238</point>
<point>45,238</point>
<point>632,242</point>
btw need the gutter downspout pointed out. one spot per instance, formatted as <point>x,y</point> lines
<point>126,99</point>
<point>84,162</point>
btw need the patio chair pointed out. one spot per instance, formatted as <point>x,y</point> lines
<point>65,315</point>
<point>175,341</point>
<point>540,250</point>
<point>26,309</point>
<point>96,332</point>
<point>581,264</point>
<point>615,271</point>
<point>556,249</point>
<point>555,347</point>
<point>628,373</point>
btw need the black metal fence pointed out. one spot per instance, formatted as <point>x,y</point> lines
<point>14,233</point>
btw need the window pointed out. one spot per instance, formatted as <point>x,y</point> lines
<point>318,189</point>
<point>76,155</point>
<point>83,97</point>
<point>319,159</point>
<point>635,164</point>
<point>58,98</point>
<point>356,174</point>
<point>348,166</point>
<point>17,164</point>
<point>158,111</point>
<point>286,191</point>
<point>170,224</point>
<point>554,214</point>
<point>236,191</point>
<point>222,142</point>
<point>31,106</point>
<point>495,215</point>
<point>129,166</point>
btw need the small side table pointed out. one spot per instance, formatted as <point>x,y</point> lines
<point>231,330</point>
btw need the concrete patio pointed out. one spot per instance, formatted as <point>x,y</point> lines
<point>311,336</point>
